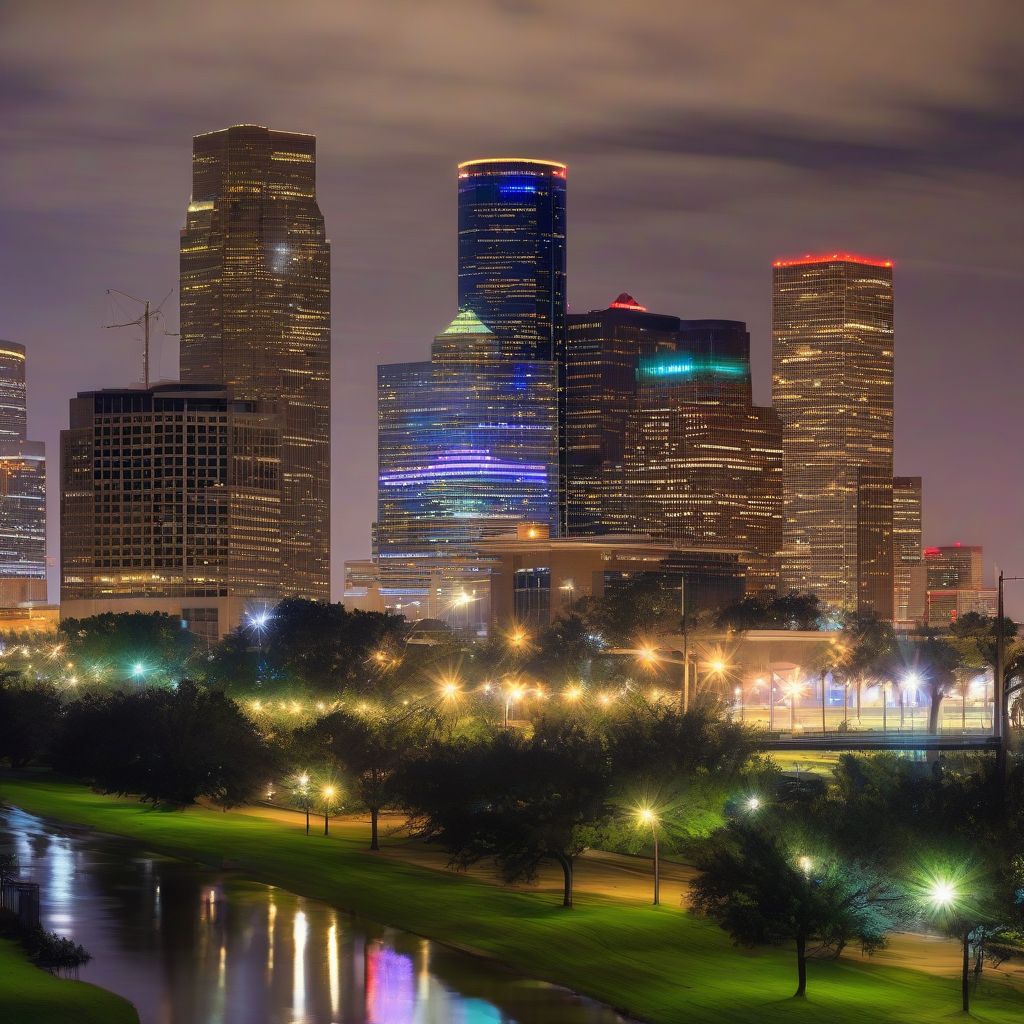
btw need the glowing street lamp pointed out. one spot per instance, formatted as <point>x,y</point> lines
<point>517,639</point>
<point>943,900</point>
<point>753,804</point>
<point>138,670</point>
<point>303,798</point>
<point>328,793</point>
<point>806,865</point>
<point>572,694</point>
<point>645,816</point>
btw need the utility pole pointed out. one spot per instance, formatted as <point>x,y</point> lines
<point>142,321</point>
<point>1000,705</point>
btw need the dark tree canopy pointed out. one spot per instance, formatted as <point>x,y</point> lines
<point>519,800</point>
<point>793,610</point>
<point>168,746</point>
<point>29,720</point>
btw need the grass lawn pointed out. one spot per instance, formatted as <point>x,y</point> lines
<point>655,963</point>
<point>31,996</point>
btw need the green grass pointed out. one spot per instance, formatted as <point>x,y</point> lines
<point>654,963</point>
<point>31,996</point>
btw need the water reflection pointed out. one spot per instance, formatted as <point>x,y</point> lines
<point>189,945</point>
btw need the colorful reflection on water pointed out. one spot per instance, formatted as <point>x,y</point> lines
<point>191,945</point>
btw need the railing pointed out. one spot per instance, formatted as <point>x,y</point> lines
<point>22,900</point>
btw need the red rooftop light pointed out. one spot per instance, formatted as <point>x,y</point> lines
<point>626,301</point>
<point>833,257</point>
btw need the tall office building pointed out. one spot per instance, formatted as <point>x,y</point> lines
<point>170,502</point>
<point>256,315</point>
<point>603,348</point>
<point>511,265</point>
<point>512,252</point>
<point>702,463</point>
<point>832,386</point>
<point>949,582</point>
<point>467,449</point>
<point>22,489</point>
<point>906,536</point>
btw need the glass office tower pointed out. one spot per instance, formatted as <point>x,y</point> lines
<point>467,449</point>
<point>832,386</point>
<point>907,540</point>
<point>602,350</point>
<point>22,489</point>
<point>512,252</point>
<point>256,315</point>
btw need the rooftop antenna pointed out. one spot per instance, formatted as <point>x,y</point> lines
<point>143,322</point>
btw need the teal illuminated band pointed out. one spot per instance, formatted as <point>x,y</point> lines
<point>675,365</point>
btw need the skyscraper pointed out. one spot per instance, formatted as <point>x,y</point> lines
<point>22,489</point>
<point>702,463</point>
<point>467,449</point>
<point>832,386</point>
<point>603,348</point>
<point>170,501</point>
<point>906,536</point>
<point>256,315</point>
<point>512,252</point>
<point>511,266</point>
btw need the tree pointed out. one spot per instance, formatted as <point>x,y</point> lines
<point>118,645</point>
<point>368,749</point>
<point>792,610</point>
<point>761,890</point>
<point>325,645</point>
<point>168,746</point>
<point>517,800</point>
<point>935,662</point>
<point>867,648</point>
<point>29,717</point>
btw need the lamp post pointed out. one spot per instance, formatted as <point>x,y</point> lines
<point>645,816</point>
<point>328,795</point>
<point>304,801</point>
<point>943,899</point>
<point>569,586</point>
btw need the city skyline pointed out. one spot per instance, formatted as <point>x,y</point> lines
<point>699,250</point>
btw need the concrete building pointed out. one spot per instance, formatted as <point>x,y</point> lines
<point>171,502</point>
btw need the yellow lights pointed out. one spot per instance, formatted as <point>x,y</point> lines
<point>805,864</point>
<point>717,666</point>
<point>462,600</point>
<point>647,655</point>
<point>450,689</point>
<point>518,638</point>
<point>329,792</point>
<point>573,693</point>
<point>645,816</point>
<point>303,780</point>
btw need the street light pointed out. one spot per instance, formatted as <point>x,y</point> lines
<point>303,791</point>
<point>806,865</point>
<point>328,795</point>
<point>753,804</point>
<point>570,586</point>
<point>517,639</point>
<point>645,816</point>
<point>944,900</point>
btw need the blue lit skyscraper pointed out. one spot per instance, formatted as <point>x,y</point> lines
<point>512,252</point>
<point>467,449</point>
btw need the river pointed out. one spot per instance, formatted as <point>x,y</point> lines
<point>193,945</point>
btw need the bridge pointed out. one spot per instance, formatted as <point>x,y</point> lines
<point>878,740</point>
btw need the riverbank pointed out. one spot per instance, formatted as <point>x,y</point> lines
<point>29,995</point>
<point>655,963</point>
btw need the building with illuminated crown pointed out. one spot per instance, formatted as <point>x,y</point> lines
<point>832,387</point>
<point>467,449</point>
<point>171,502</point>
<point>703,464</point>
<point>256,316</point>
<point>22,490</point>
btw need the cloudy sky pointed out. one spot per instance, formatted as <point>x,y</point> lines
<point>703,140</point>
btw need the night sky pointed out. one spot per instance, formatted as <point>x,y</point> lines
<point>703,140</point>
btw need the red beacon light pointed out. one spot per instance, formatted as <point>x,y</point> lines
<point>626,301</point>
<point>833,257</point>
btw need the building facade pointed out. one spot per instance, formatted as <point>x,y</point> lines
<point>907,540</point>
<point>256,316</point>
<point>171,501</point>
<point>832,387</point>
<point>467,448</point>
<point>22,490</point>
<point>703,465</point>
<point>948,582</point>
<point>512,264</point>
<point>603,348</point>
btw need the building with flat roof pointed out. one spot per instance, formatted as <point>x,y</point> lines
<point>906,537</point>
<point>256,316</point>
<point>536,577</point>
<point>171,502</point>
<point>832,387</point>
